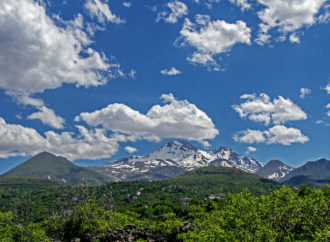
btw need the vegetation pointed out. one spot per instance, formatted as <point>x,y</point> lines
<point>180,209</point>
<point>307,180</point>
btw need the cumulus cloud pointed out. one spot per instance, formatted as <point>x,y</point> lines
<point>36,54</point>
<point>211,38</point>
<point>176,10</point>
<point>17,140</point>
<point>88,144</point>
<point>304,92</point>
<point>250,149</point>
<point>47,116</point>
<point>287,17</point>
<point>277,134</point>
<point>102,12</point>
<point>250,136</point>
<point>170,72</point>
<point>280,134</point>
<point>279,111</point>
<point>130,149</point>
<point>262,109</point>
<point>243,4</point>
<point>174,119</point>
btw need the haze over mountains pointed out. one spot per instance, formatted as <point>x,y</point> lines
<point>172,159</point>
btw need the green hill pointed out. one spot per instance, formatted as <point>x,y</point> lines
<point>55,168</point>
<point>197,184</point>
<point>310,181</point>
<point>225,179</point>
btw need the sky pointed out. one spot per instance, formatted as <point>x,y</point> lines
<point>98,80</point>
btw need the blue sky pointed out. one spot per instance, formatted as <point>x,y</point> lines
<point>96,80</point>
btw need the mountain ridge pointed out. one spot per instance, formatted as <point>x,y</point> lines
<point>178,156</point>
<point>319,169</point>
<point>51,167</point>
<point>275,170</point>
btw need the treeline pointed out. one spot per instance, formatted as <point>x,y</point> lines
<point>284,214</point>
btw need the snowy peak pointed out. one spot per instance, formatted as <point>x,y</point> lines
<point>227,157</point>
<point>174,158</point>
<point>222,153</point>
<point>275,170</point>
<point>175,150</point>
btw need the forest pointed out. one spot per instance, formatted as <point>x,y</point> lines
<point>32,209</point>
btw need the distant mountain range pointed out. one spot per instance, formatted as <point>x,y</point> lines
<point>171,160</point>
<point>177,157</point>
<point>56,168</point>
<point>319,169</point>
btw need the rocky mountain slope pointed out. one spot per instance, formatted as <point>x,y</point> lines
<point>319,170</point>
<point>274,170</point>
<point>173,159</point>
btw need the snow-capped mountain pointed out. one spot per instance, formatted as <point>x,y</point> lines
<point>176,150</point>
<point>172,159</point>
<point>274,170</point>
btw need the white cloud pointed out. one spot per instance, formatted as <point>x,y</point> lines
<point>250,136</point>
<point>17,140</point>
<point>280,134</point>
<point>328,107</point>
<point>211,38</point>
<point>262,109</point>
<point>48,117</point>
<point>127,4</point>
<point>322,122</point>
<point>36,54</point>
<point>294,38</point>
<point>89,144</point>
<point>177,10</point>
<point>327,88</point>
<point>243,4</point>
<point>100,10</point>
<point>277,134</point>
<point>304,92</point>
<point>130,149</point>
<point>170,72</point>
<point>325,18</point>
<point>287,17</point>
<point>250,149</point>
<point>203,59</point>
<point>175,119</point>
